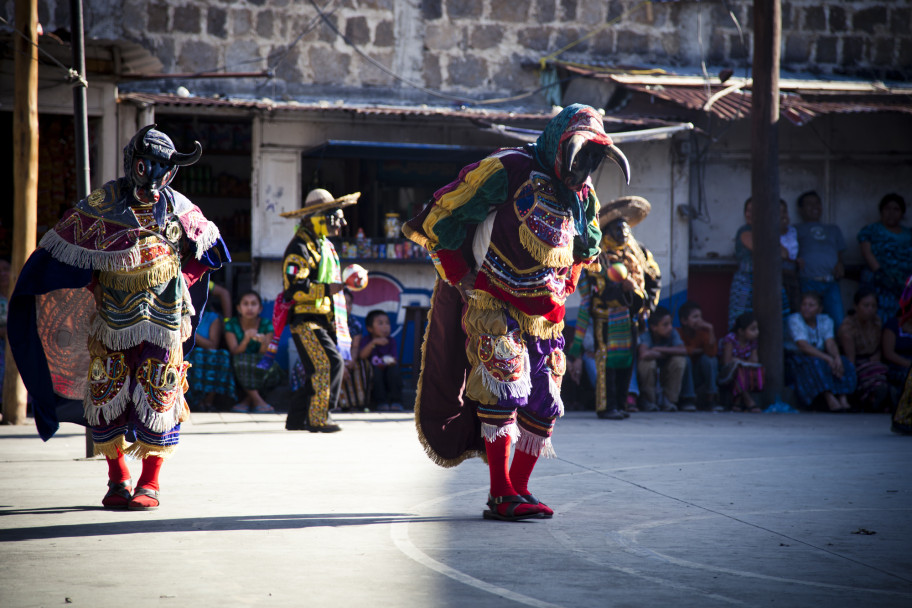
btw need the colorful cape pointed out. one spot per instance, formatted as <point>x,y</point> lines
<point>48,310</point>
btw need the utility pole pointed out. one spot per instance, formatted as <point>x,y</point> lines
<point>25,178</point>
<point>765,194</point>
<point>81,126</point>
<point>80,115</point>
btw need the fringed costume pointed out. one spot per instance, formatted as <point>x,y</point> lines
<point>119,274</point>
<point>614,311</point>
<point>492,366</point>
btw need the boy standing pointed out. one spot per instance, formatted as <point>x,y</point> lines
<point>661,348</point>
<point>700,341</point>
<point>380,349</point>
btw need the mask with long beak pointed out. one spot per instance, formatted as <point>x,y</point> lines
<point>581,157</point>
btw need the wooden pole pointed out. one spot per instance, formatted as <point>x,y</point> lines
<point>765,194</point>
<point>25,178</point>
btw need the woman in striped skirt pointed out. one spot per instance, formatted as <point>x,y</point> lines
<point>819,370</point>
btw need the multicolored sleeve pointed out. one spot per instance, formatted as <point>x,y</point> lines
<point>586,248</point>
<point>441,227</point>
<point>653,280</point>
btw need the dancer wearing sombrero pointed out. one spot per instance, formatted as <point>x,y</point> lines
<point>509,238</point>
<point>312,296</point>
<point>141,249</point>
<point>614,301</point>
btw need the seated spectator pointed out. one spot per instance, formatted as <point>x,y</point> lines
<point>820,248</point>
<point>662,354</point>
<point>860,338</point>
<point>210,370</point>
<point>814,360</point>
<point>247,336</point>
<point>741,367</point>
<point>897,339</point>
<point>700,341</point>
<point>380,349</point>
<point>357,375</point>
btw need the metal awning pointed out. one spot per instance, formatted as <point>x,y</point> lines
<point>621,137</point>
<point>403,151</point>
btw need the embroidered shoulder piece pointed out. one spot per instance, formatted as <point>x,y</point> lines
<point>98,233</point>
<point>546,228</point>
<point>198,229</point>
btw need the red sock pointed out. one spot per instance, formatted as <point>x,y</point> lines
<point>498,456</point>
<point>117,468</point>
<point>151,465</point>
<point>521,470</point>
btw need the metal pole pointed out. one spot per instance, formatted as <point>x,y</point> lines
<point>765,194</point>
<point>25,179</point>
<point>81,126</point>
<point>80,116</point>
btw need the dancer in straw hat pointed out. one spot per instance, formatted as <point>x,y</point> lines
<point>614,300</point>
<point>312,296</point>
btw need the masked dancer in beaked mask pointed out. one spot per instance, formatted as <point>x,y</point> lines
<point>509,238</point>
<point>120,273</point>
<point>614,301</point>
<point>313,299</point>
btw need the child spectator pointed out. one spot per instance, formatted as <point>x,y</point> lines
<point>700,341</point>
<point>247,336</point>
<point>814,360</point>
<point>358,373</point>
<point>210,366</point>
<point>741,366</point>
<point>860,338</point>
<point>380,349</point>
<point>662,353</point>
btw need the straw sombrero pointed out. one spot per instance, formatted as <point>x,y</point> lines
<point>633,209</point>
<point>319,200</point>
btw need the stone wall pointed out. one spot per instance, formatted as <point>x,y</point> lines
<point>482,48</point>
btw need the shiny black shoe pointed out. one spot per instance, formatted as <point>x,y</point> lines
<point>610,414</point>
<point>324,428</point>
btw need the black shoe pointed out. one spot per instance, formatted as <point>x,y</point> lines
<point>610,415</point>
<point>324,428</point>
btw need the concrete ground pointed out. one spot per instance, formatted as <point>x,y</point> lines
<point>679,509</point>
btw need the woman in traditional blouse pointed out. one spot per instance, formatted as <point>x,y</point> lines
<point>887,250</point>
<point>818,368</point>
<point>860,339</point>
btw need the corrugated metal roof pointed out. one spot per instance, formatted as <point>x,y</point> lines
<point>268,105</point>
<point>423,111</point>
<point>800,101</point>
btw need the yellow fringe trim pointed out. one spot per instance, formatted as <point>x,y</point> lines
<point>416,237</point>
<point>534,325</point>
<point>111,449</point>
<point>592,266</point>
<point>553,257</point>
<point>428,449</point>
<point>141,450</point>
<point>161,272</point>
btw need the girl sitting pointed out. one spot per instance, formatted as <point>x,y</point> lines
<point>247,336</point>
<point>741,363</point>
<point>860,339</point>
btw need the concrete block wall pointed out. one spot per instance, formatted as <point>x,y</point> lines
<point>479,48</point>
